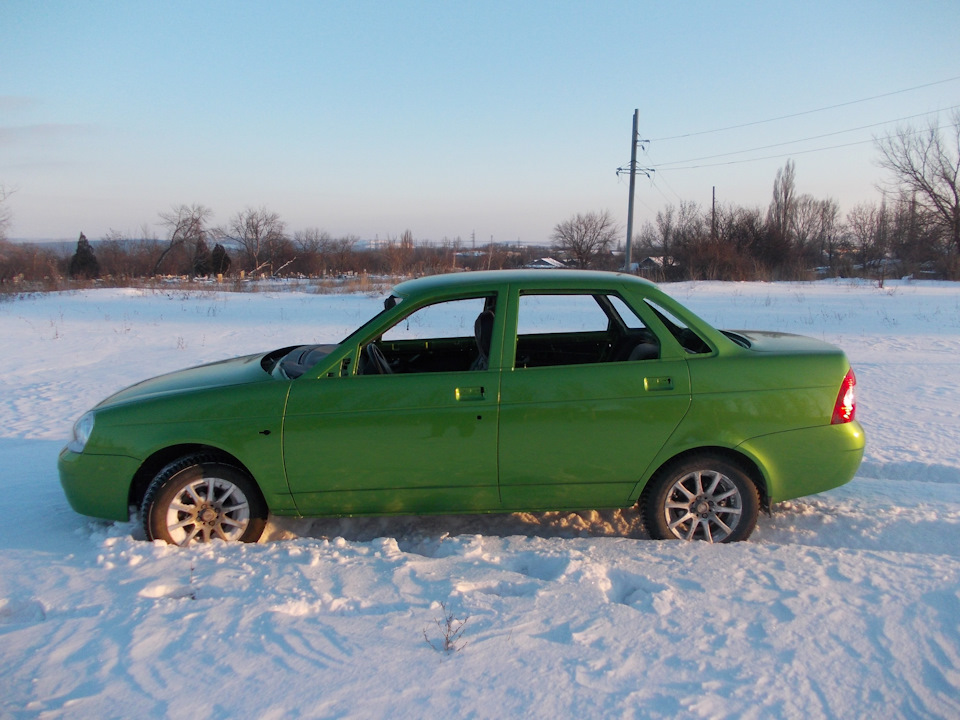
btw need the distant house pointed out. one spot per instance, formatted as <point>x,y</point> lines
<point>545,263</point>
<point>654,265</point>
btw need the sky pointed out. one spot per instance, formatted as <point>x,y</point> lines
<point>473,120</point>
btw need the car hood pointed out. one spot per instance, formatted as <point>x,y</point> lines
<point>236,371</point>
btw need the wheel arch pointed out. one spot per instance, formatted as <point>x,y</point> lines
<point>744,462</point>
<point>160,459</point>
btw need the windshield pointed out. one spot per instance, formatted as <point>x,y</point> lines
<point>389,303</point>
<point>292,362</point>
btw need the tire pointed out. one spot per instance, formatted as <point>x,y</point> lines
<point>706,497</point>
<point>197,499</point>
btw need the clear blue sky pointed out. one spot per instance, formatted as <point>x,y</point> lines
<point>447,118</point>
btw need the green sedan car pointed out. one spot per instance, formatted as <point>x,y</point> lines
<point>482,392</point>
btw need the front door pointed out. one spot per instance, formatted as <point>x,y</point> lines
<point>416,433</point>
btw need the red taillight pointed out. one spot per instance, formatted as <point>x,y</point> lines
<point>845,408</point>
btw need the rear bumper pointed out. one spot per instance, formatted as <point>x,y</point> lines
<point>804,462</point>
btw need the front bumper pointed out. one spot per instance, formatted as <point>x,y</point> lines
<point>97,485</point>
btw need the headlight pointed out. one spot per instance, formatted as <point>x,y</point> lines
<point>81,433</point>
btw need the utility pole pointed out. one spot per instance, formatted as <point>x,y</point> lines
<point>633,170</point>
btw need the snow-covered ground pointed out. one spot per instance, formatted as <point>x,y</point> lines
<point>841,605</point>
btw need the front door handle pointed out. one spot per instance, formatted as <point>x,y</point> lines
<point>469,393</point>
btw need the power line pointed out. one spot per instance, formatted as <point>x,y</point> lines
<point>656,184</point>
<point>796,152</point>
<point>806,112</point>
<point>806,139</point>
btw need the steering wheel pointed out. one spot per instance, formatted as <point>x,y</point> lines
<point>376,359</point>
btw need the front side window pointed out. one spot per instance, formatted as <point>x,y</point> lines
<point>447,336</point>
<point>451,319</point>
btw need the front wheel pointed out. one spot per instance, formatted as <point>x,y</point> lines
<point>199,500</point>
<point>704,498</point>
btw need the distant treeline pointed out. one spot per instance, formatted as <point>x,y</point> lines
<point>116,260</point>
<point>914,230</point>
<point>810,239</point>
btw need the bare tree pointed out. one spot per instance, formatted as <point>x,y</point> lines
<point>830,238</point>
<point>925,166</point>
<point>313,246</point>
<point>184,223</point>
<point>260,235</point>
<point>915,237</point>
<point>11,261</point>
<point>585,236</point>
<point>341,250</point>
<point>666,229</point>
<point>691,224</point>
<point>783,205</point>
<point>803,228</point>
<point>740,231</point>
<point>398,253</point>
<point>28,262</point>
<point>202,263</point>
<point>741,227</point>
<point>774,250</point>
<point>867,226</point>
<point>694,248</point>
<point>5,215</point>
<point>113,255</point>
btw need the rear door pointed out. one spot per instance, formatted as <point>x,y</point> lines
<point>587,404</point>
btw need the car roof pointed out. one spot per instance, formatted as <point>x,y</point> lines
<point>533,279</point>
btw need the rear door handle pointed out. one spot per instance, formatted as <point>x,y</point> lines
<point>658,383</point>
<point>469,393</point>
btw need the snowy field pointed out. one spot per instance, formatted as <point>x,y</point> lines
<point>841,605</point>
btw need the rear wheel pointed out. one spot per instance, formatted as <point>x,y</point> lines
<point>198,500</point>
<point>703,498</point>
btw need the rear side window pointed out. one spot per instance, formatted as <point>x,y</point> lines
<point>579,329</point>
<point>544,314</point>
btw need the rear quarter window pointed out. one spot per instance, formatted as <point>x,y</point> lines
<point>688,339</point>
